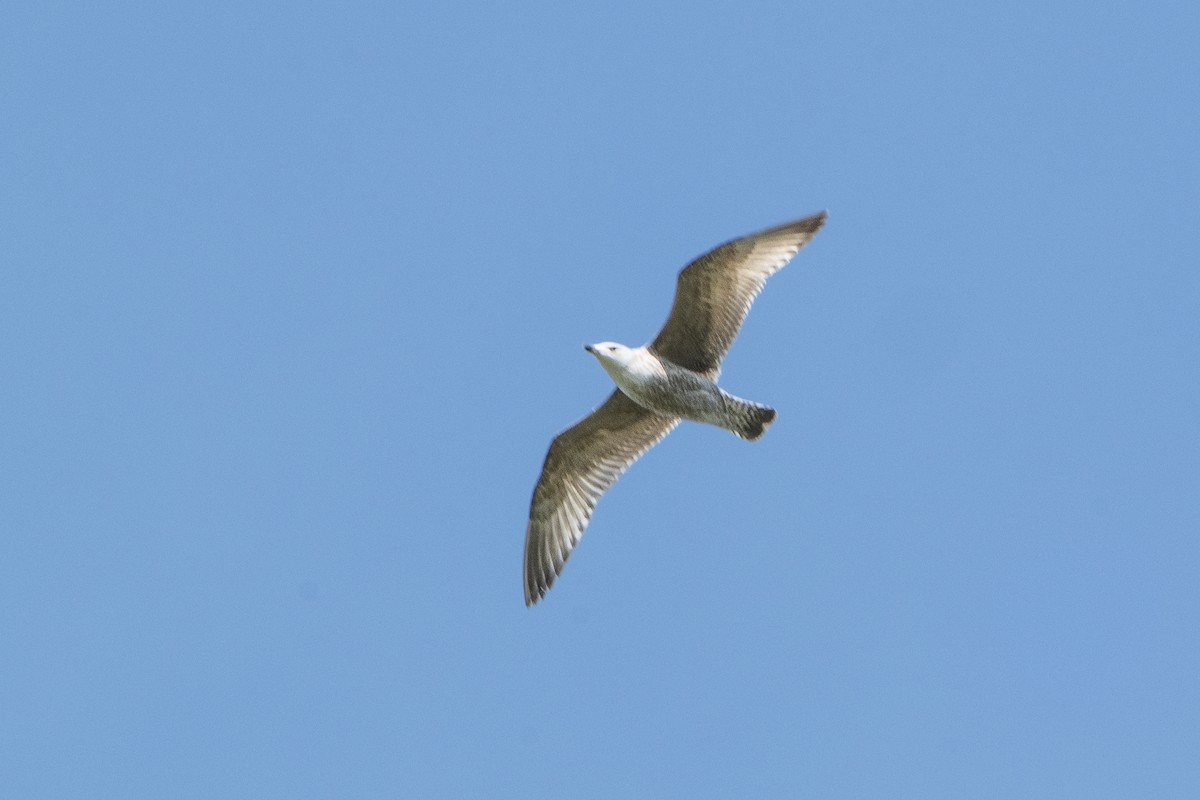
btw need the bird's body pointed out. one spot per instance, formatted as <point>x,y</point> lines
<point>667,389</point>
<point>671,378</point>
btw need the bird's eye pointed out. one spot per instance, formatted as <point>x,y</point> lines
<point>612,349</point>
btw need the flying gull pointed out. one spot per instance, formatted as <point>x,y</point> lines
<point>671,378</point>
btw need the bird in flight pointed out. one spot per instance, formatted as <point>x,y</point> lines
<point>673,377</point>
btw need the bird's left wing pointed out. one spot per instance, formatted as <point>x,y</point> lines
<point>583,461</point>
<point>713,294</point>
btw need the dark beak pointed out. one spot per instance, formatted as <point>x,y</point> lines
<point>588,347</point>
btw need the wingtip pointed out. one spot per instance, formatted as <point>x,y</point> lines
<point>533,592</point>
<point>536,585</point>
<point>816,220</point>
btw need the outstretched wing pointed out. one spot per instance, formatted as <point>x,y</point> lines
<point>714,293</point>
<point>582,463</point>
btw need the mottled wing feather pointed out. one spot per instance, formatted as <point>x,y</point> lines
<point>583,461</point>
<point>714,293</point>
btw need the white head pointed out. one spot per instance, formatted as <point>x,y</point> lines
<point>623,362</point>
<point>613,352</point>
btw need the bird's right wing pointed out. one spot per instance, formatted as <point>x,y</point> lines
<point>583,461</point>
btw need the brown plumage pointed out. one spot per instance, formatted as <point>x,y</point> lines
<point>671,378</point>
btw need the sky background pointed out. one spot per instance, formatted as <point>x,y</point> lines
<point>291,304</point>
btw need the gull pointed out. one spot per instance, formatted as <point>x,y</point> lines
<point>671,378</point>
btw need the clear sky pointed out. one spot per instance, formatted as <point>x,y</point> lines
<point>292,299</point>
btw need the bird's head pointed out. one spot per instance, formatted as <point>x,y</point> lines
<point>623,363</point>
<point>611,352</point>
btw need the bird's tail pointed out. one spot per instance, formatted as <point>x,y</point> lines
<point>748,420</point>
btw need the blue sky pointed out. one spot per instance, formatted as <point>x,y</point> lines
<point>291,306</point>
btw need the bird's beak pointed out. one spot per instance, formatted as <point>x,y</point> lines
<point>588,347</point>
